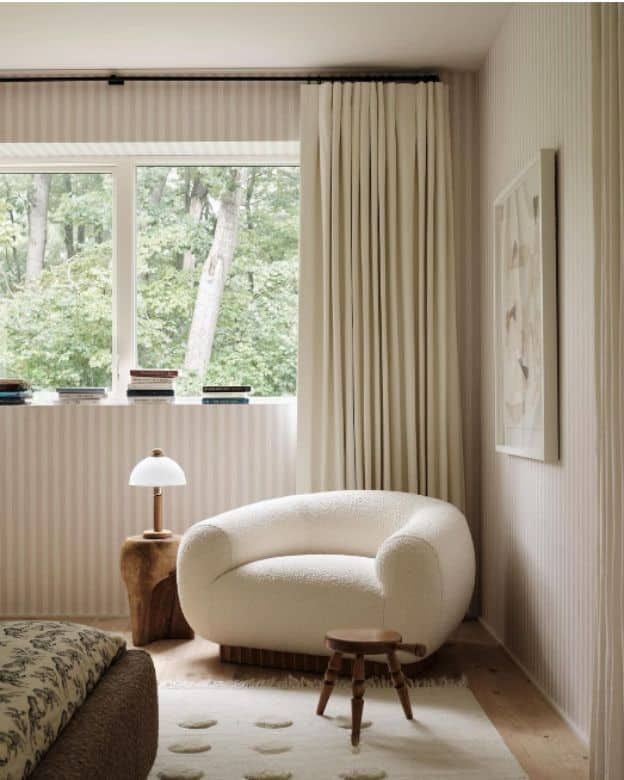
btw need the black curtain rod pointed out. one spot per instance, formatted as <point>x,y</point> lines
<point>118,80</point>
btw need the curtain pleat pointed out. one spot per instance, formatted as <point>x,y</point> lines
<point>607,733</point>
<point>378,390</point>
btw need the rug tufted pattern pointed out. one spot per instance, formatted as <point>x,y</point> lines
<point>264,732</point>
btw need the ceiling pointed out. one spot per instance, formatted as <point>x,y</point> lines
<point>40,36</point>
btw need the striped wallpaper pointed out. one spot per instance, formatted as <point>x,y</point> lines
<point>139,111</point>
<point>539,531</point>
<point>66,506</point>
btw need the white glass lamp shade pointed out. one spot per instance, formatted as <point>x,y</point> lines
<point>157,471</point>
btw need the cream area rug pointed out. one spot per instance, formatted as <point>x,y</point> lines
<point>260,731</point>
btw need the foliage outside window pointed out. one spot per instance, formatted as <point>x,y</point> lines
<point>216,261</point>
<point>55,278</point>
<point>217,275</point>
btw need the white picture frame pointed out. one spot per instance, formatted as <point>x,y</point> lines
<point>525,313</point>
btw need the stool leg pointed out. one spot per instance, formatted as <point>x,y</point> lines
<point>332,671</point>
<point>357,702</point>
<point>399,683</point>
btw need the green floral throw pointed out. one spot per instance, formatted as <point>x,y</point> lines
<point>47,670</point>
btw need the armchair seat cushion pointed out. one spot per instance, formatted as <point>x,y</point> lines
<point>283,603</point>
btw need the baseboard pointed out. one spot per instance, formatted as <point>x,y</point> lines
<point>563,715</point>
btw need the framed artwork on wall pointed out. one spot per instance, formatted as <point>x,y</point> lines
<point>525,313</point>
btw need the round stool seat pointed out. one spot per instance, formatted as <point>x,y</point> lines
<point>362,641</point>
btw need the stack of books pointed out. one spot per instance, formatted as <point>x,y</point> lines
<point>152,384</point>
<point>226,394</point>
<point>14,392</point>
<point>81,395</point>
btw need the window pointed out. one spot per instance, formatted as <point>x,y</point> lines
<point>55,278</point>
<point>217,275</point>
<point>129,263</point>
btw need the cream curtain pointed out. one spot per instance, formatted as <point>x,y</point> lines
<point>378,391</point>
<point>607,738</point>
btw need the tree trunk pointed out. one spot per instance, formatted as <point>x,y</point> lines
<point>214,275</point>
<point>195,209</point>
<point>37,225</point>
<point>158,188</point>
<point>68,227</point>
<point>251,185</point>
<point>17,269</point>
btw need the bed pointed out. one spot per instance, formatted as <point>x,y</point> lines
<point>74,704</point>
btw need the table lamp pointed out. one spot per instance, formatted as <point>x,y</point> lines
<point>157,471</point>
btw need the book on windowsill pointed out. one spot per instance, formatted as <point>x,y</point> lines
<point>12,385</point>
<point>226,394</point>
<point>144,400</point>
<point>14,391</point>
<point>151,393</point>
<point>146,373</point>
<point>155,386</point>
<point>152,380</point>
<point>14,397</point>
<point>81,395</point>
<point>220,389</point>
<point>82,392</point>
<point>151,384</point>
<point>217,401</point>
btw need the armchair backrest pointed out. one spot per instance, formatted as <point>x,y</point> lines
<point>350,522</point>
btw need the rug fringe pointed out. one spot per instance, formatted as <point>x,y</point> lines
<point>292,682</point>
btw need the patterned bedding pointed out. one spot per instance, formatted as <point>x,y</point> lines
<point>47,670</point>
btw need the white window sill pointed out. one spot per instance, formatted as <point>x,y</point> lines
<point>179,401</point>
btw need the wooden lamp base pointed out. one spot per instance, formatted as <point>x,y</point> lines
<point>152,534</point>
<point>157,532</point>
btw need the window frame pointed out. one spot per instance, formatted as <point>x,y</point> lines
<point>123,169</point>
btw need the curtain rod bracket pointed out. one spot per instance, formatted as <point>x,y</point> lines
<point>116,81</point>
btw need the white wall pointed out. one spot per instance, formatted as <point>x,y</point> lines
<point>539,525</point>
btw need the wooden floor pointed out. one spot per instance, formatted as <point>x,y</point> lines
<point>544,745</point>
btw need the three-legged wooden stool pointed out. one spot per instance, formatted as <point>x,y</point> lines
<point>360,642</point>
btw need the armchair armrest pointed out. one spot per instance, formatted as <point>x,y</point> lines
<point>206,552</point>
<point>213,547</point>
<point>426,570</point>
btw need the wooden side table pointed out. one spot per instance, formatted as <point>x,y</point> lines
<point>360,642</point>
<point>148,567</point>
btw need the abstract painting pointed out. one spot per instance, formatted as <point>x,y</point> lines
<point>526,313</point>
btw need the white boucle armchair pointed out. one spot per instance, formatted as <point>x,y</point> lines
<point>278,574</point>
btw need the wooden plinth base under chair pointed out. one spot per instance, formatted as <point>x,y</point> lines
<point>313,664</point>
<point>360,642</point>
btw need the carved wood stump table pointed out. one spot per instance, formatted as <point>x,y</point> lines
<point>148,567</point>
<point>360,642</point>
